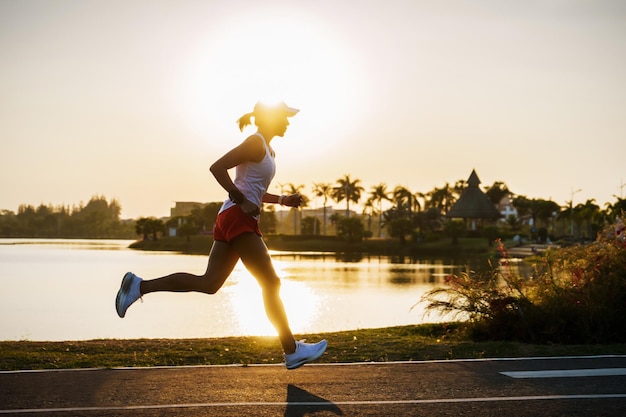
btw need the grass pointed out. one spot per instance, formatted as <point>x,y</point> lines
<point>404,343</point>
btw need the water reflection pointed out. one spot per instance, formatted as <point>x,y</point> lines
<point>301,301</point>
<point>76,244</point>
<point>368,271</point>
<point>65,290</point>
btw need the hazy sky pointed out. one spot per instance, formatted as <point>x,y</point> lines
<point>135,99</point>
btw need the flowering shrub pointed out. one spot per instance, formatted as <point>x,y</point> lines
<point>573,295</point>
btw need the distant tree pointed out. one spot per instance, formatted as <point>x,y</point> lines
<point>539,210</point>
<point>513,222</point>
<point>403,218</point>
<point>187,229</point>
<point>8,223</point>
<point>196,218</point>
<point>398,224</point>
<point>267,221</point>
<point>458,188</point>
<point>369,210</point>
<point>140,227</point>
<point>334,218</point>
<point>45,221</point>
<point>297,189</point>
<point>348,190</point>
<point>497,191</point>
<point>429,220</point>
<point>350,229</point>
<point>570,213</point>
<point>325,191</point>
<point>613,210</point>
<point>204,216</point>
<point>172,223</point>
<point>523,206</point>
<point>26,220</point>
<point>98,219</point>
<point>406,201</point>
<point>454,229</point>
<point>441,198</point>
<point>378,194</point>
<point>544,211</point>
<point>155,226</point>
<point>62,220</point>
<point>149,227</point>
<point>310,226</point>
<point>591,215</point>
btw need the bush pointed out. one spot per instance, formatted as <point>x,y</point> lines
<point>573,295</point>
<point>350,229</point>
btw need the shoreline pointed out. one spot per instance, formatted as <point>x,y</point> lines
<point>466,248</point>
<point>441,341</point>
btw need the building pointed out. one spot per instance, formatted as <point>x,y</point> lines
<point>184,208</point>
<point>505,206</point>
<point>473,206</point>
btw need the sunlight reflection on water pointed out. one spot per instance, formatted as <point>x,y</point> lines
<point>65,290</point>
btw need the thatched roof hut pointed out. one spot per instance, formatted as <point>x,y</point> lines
<point>473,203</point>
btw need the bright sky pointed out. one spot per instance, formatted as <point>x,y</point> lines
<point>135,99</point>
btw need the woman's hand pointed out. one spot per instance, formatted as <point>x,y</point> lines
<point>293,200</point>
<point>250,209</point>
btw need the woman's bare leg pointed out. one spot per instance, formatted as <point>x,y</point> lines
<point>222,260</point>
<point>256,258</point>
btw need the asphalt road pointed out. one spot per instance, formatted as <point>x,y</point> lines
<point>587,386</point>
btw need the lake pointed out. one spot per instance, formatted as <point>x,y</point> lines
<point>53,290</point>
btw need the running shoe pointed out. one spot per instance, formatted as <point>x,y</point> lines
<point>305,352</point>
<point>128,293</point>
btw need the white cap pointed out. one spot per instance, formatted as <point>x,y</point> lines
<point>280,107</point>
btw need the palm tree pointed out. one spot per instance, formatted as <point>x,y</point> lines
<point>297,189</point>
<point>348,189</point>
<point>405,200</point>
<point>522,205</point>
<point>324,190</point>
<point>140,227</point>
<point>576,215</point>
<point>378,194</point>
<point>497,192</point>
<point>150,226</point>
<point>282,188</point>
<point>369,210</point>
<point>590,212</point>
<point>441,198</point>
<point>613,210</point>
<point>566,213</point>
<point>403,218</point>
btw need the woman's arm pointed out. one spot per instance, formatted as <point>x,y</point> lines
<point>252,149</point>
<point>293,200</point>
<point>270,198</point>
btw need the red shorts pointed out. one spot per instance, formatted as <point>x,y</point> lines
<point>232,222</point>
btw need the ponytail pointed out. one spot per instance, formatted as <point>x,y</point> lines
<point>244,120</point>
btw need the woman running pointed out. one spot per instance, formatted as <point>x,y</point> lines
<point>237,234</point>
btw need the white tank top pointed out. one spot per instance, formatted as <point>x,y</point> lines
<point>254,178</point>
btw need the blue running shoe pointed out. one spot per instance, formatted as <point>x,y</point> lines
<point>305,352</point>
<point>128,293</point>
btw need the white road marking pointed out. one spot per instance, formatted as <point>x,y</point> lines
<point>566,373</point>
<point>513,374</point>
<point>312,403</point>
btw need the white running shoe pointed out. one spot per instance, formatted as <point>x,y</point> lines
<point>305,352</point>
<point>128,293</point>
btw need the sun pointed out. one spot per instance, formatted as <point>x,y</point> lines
<point>271,56</point>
